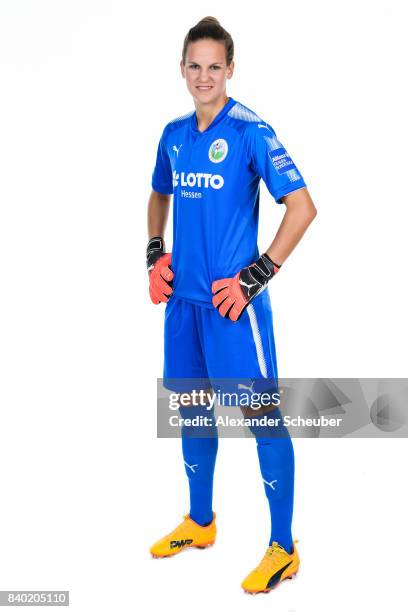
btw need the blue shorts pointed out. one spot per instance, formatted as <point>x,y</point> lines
<point>199,343</point>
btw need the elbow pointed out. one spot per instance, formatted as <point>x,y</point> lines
<point>301,205</point>
<point>313,213</point>
<point>310,210</point>
<point>308,213</point>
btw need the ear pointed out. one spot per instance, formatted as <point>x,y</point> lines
<point>230,70</point>
<point>183,69</point>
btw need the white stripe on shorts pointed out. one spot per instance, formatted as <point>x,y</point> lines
<point>257,339</point>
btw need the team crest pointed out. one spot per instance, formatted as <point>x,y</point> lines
<point>218,151</point>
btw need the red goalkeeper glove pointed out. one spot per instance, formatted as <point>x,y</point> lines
<point>160,273</point>
<point>232,295</point>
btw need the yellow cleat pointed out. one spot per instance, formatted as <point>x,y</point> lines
<point>276,566</point>
<point>188,534</point>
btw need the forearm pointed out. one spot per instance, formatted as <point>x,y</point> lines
<point>299,214</point>
<point>157,214</point>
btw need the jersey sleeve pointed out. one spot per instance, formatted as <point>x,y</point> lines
<point>270,160</point>
<point>162,178</point>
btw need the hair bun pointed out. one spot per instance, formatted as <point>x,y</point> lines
<point>209,20</point>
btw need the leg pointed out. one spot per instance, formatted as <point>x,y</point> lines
<point>183,361</point>
<point>200,445</point>
<point>246,350</point>
<point>276,461</point>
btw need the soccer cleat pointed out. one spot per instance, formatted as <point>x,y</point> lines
<point>276,566</point>
<point>188,534</point>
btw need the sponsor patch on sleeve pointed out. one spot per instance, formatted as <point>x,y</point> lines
<point>282,162</point>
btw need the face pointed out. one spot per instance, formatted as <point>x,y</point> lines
<point>206,71</point>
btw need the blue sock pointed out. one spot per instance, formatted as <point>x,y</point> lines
<point>200,445</point>
<point>277,464</point>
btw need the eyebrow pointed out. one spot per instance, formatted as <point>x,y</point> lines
<point>213,64</point>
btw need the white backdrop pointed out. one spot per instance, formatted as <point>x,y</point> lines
<point>86,89</point>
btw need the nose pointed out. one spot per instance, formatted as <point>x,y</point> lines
<point>204,76</point>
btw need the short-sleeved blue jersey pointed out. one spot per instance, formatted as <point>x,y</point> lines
<point>214,177</point>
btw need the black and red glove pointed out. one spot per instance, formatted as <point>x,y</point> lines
<point>232,295</point>
<point>160,273</point>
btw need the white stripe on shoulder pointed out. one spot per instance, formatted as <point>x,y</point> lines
<point>239,111</point>
<point>182,117</point>
<point>273,143</point>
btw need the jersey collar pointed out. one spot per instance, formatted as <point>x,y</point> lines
<point>215,121</point>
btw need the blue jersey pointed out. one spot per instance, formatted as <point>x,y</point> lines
<point>214,177</point>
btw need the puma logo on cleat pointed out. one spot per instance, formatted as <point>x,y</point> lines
<point>194,465</point>
<point>270,484</point>
<point>263,125</point>
<point>180,543</point>
<point>276,577</point>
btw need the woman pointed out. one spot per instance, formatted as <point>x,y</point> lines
<point>218,320</point>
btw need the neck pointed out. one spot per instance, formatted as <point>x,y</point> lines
<point>207,112</point>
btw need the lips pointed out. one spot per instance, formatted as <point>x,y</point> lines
<point>204,87</point>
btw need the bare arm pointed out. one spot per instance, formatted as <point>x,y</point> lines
<point>157,214</point>
<point>300,212</point>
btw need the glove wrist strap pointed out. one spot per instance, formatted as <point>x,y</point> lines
<point>155,249</point>
<point>264,269</point>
